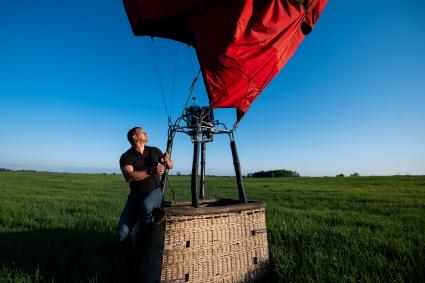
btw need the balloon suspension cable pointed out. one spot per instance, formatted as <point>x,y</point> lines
<point>172,130</point>
<point>191,60</point>
<point>173,127</point>
<point>173,84</point>
<point>158,77</point>
<point>191,89</point>
<point>171,189</point>
<point>178,121</point>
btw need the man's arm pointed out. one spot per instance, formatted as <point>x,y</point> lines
<point>130,175</point>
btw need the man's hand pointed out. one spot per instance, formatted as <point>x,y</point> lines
<point>167,160</point>
<point>166,157</point>
<point>160,169</point>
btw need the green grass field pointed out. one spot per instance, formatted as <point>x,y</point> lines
<point>61,227</point>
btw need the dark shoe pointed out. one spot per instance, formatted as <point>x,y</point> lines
<point>158,215</point>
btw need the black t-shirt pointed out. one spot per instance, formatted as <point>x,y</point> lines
<point>148,160</point>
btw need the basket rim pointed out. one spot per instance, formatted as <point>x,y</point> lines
<point>210,206</point>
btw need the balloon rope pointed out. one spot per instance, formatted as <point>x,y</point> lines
<point>190,60</point>
<point>172,86</point>
<point>172,133</point>
<point>192,87</point>
<point>158,76</point>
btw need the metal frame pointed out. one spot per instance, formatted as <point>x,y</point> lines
<point>201,134</point>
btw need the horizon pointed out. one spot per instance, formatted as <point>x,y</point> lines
<point>110,171</point>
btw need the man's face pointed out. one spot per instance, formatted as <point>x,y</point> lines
<point>141,136</point>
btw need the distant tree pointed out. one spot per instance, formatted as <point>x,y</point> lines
<point>340,175</point>
<point>355,175</point>
<point>274,173</point>
<point>5,169</point>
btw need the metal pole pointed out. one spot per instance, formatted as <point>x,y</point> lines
<point>202,180</point>
<point>194,187</point>
<point>237,165</point>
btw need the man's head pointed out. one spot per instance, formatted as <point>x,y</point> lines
<point>137,136</point>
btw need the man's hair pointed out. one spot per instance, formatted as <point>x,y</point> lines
<point>131,133</point>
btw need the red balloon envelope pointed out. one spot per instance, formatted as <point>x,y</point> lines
<point>241,44</point>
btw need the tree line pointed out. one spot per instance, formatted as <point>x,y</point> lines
<point>273,173</point>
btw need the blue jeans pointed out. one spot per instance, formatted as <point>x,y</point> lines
<point>137,209</point>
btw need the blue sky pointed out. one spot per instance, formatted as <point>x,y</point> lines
<point>74,79</point>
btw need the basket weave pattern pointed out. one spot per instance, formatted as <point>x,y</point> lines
<point>223,247</point>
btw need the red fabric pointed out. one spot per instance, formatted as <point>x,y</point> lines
<point>241,44</point>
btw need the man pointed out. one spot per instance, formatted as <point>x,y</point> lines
<point>141,166</point>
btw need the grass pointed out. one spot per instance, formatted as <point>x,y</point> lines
<point>61,227</point>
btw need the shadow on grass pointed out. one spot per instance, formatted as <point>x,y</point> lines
<point>66,255</point>
<point>62,255</point>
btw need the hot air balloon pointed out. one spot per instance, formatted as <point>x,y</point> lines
<point>241,45</point>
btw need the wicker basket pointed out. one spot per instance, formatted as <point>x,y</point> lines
<point>222,241</point>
